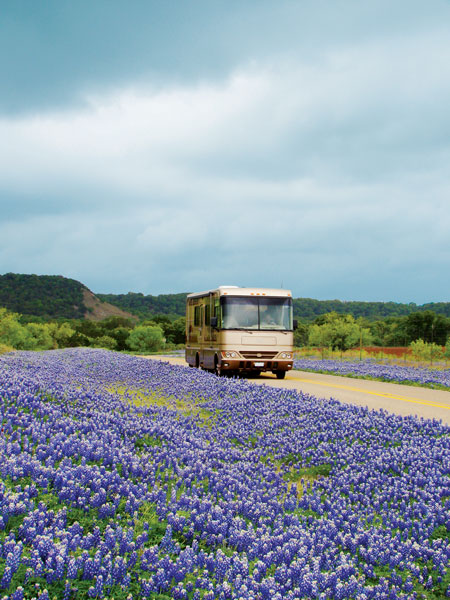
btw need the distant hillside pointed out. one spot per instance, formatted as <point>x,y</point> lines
<point>146,306</point>
<point>306,309</point>
<point>53,297</point>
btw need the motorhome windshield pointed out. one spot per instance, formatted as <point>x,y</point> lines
<point>259,313</point>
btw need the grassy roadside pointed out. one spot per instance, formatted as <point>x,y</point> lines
<point>432,386</point>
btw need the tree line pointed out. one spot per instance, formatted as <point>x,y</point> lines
<point>341,332</point>
<point>145,306</point>
<point>114,333</point>
<point>332,330</point>
<point>305,309</point>
<point>56,297</point>
<point>308,309</point>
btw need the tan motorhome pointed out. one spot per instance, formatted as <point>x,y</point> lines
<point>233,329</point>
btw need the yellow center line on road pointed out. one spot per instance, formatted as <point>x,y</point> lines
<point>363,391</point>
<point>383,395</point>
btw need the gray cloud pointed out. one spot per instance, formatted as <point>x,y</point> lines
<point>318,159</point>
<point>52,53</point>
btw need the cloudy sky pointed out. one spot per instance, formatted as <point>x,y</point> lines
<point>168,146</point>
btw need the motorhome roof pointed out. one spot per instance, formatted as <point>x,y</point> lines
<point>233,290</point>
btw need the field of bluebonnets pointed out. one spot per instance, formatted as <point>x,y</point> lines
<point>369,369</point>
<point>128,478</point>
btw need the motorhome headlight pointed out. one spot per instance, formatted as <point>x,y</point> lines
<point>230,354</point>
<point>285,355</point>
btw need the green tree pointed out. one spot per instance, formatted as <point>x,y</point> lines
<point>428,326</point>
<point>39,337</point>
<point>397,333</point>
<point>114,322</point>
<point>78,339</point>
<point>90,329</point>
<point>301,335</point>
<point>120,335</point>
<point>12,333</point>
<point>340,332</point>
<point>447,350</point>
<point>61,334</point>
<point>426,351</point>
<point>389,332</point>
<point>175,332</point>
<point>146,338</point>
<point>105,341</point>
<point>161,320</point>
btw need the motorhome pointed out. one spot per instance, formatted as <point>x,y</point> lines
<point>240,330</point>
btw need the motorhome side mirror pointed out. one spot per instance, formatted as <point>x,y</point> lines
<point>213,322</point>
<point>295,324</point>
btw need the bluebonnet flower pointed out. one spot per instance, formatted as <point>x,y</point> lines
<point>7,576</point>
<point>228,485</point>
<point>167,544</point>
<point>18,594</point>
<point>368,367</point>
<point>67,591</point>
<point>97,590</point>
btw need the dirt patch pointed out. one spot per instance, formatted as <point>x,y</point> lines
<point>98,310</point>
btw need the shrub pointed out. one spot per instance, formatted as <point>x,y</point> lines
<point>447,349</point>
<point>61,334</point>
<point>424,351</point>
<point>146,339</point>
<point>4,348</point>
<point>104,341</point>
<point>39,337</point>
<point>339,332</point>
<point>12,333</point>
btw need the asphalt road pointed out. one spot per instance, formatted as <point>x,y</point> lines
<point>395,398</point>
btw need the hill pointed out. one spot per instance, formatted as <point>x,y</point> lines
<point>53,297</point>
<point>57,297</point>
<point>308,309</point>
<point>147,305</point>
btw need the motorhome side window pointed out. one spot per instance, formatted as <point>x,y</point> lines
<point>197,316</point>
<point>217,312</point>
<point>207,315</point>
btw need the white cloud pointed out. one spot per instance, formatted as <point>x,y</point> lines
<point>292,170</point>
<point>375,96</point>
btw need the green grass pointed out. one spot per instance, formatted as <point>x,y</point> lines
<point>148,441</point>
<point>186,407</point>
<point>302,477</point>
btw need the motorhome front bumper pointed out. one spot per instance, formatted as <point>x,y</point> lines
<point>255,365</point>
